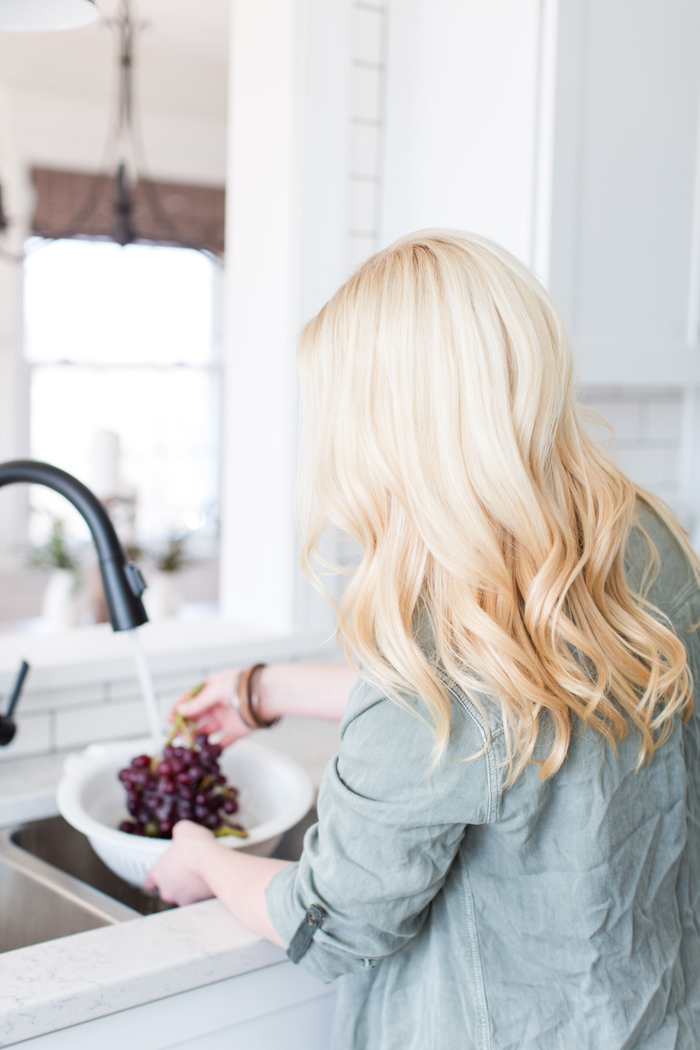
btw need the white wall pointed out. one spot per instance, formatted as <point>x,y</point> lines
<point>14,374</point>
<point>476,58</point>
<point>286,240</point>
<point>367,130</point>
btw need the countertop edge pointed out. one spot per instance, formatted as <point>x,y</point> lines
<point>73,979</point>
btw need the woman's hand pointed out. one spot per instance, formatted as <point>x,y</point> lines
<point>177,876</point>
<point>196,867</point>
<point>301,689</point>
<point>213,707</point>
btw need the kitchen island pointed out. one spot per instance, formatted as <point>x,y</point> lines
<point>188,978</point>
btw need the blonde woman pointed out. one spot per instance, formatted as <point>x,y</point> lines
<point>508,846</point>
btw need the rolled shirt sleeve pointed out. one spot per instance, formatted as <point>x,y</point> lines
<point>387,833</point>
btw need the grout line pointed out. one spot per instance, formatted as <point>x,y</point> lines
<point>379,200</point>
<point>94,706</point>
<point>362,63</point>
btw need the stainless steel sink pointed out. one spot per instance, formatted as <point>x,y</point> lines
<point>61,847</point>
<point>53,884</point>
<point>39,903</point>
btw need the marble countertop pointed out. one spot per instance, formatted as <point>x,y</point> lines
<point>59,983</point>
<point>74,979</point>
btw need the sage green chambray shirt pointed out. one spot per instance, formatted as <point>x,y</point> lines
<point>459,915</point>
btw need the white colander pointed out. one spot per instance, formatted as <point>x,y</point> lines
<point>275,794</point>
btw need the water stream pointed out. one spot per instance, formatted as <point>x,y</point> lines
<point>155,724</point>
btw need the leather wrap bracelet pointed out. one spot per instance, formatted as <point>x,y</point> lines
<point>249,701</point>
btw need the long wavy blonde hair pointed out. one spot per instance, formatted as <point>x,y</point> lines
<point>440,431</point>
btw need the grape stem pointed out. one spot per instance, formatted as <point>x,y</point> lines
<point>181,726</point>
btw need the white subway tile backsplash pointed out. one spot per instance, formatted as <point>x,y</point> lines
<point>175,683</point>
<point>647,466</point>
<point>50,699</point>
<point>103,722</point>
<point>360,247</point>
<point>364,149</point>
<point>363,206</point>
<point>624,417</point>
<point>648,426</point>
<point>366,93</point>
<point>121,689</point>
<point>367,44</point>
<point>129,689</point>
<point>33,737</point>
<point>672,462</point>
<point>598,425</point>
<point>664,421</point>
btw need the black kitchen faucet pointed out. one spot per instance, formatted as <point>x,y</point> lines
<point>122,581</point>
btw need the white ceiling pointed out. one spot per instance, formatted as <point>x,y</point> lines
<point>59,89</point>
<point>184,27</point>
<point>183,40</point>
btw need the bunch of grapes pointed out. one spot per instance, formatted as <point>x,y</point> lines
<point>184,783</point>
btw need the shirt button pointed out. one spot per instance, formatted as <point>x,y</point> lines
<point>311,919</point>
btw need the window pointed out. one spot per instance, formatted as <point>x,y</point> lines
<point>125,339</point>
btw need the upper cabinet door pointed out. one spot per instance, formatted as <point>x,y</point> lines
<point>567,130</point>
<point>625,209</point>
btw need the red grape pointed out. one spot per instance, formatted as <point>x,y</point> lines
<point>187,785</point>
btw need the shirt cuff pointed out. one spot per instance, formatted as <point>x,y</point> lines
<point>307,943</point>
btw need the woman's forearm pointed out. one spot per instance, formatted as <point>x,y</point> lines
<point>197,866</point>
<point>239,881</point>
<point>309,690</point>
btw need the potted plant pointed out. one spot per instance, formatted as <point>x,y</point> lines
<point>60,606</point>
<point>163,597</point>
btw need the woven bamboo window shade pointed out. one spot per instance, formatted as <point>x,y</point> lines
<point>71,203</point>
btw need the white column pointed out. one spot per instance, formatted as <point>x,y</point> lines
<point>14,373</point>
<point>285,254</point>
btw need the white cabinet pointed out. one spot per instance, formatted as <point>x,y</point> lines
<point>568,131</point>
<point>624,187</point>
<point>275,1007</point>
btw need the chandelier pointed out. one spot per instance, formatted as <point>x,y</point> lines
<point>123,164</point>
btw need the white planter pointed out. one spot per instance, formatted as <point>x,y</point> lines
<point>60,607</point>
<point>162,597</point>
